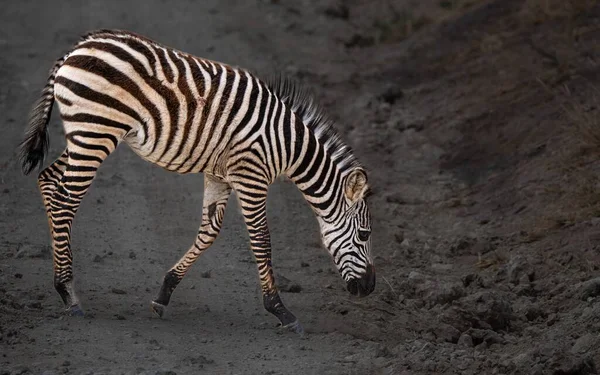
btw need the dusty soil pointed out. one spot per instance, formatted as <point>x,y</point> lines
<point>478,121</point>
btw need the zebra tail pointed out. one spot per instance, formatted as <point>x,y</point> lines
<point>34,147</point>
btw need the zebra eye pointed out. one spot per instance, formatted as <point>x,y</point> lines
<point>363,234</point>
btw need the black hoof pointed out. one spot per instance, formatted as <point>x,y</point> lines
<point>158,309</point>
<point>295,327</point>
<point>75,310</point>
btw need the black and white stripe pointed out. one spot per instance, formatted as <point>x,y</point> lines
<point>192,115</point>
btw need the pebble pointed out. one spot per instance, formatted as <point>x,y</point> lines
<point>519,270</point>
<point>465,341</point>
<point>441,266</point>
<point>552,318</point>
<point>206,274</point>
<point>584,343</point>
<point>590,288</point>
<point>414,275</point>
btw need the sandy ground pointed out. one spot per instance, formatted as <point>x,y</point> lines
<point>472,118</point>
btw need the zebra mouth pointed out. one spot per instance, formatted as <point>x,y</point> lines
<point>365,285</point>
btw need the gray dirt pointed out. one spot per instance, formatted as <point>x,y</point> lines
<point>469,116</point>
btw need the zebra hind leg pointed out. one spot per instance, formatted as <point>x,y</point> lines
<point>216,194</point>
<point>86,152</point>
<point>48,182</point>
<point>253,207</point>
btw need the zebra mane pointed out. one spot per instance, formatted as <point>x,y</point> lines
<point>304,105</point>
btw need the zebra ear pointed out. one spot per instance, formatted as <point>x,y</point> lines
<point>356,185</point>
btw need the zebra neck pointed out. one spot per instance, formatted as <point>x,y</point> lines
<point>317,176</point>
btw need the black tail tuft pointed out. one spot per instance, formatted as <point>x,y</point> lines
<point>35,146</point>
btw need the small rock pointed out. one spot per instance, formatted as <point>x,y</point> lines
<point>98,259</point>
<point>304,264</point>
<point>441,266</point>
<point>21,370</point>
<point>584,343</point>
<point>34,305</point>
<point>18,275</point>
<point>286,285</point>
<point>201,360</point>
<point>118,291</point>
<point>518,267</point>
<point>575,366</point>
<point>395,198</point>
<point>463,246</point>
<point>383,351</point>
<point>534,312</point>
<point>391,94</point>
<point>119,317</point>
<point>552,318</point>
<point>338,10</point>
<point>472,279</point>
<point>292,288</point>
<point>465,341</point>
<point>590,288</point>
<point>442,293</point>
<point>66,363</point>
<point>21,250</point>
<point>399,237</point>
<point>206,274</point>
<point>521,360</point>
<point>447,333</point>
<point>492,309</point>
<point>358,40</point>
<point>414,275</point>
<point>132,255</point>
<point>400,253</point>
<point>154,345</point>
<point>485,335</point>
<point>481,247</point>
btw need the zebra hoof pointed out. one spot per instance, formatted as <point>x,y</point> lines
<point>158,309</point>
<point>74,310</point>
<point>295,327</point>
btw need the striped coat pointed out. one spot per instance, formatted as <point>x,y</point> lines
<point>192,115</point>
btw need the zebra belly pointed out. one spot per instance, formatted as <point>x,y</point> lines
<point>190,160</point>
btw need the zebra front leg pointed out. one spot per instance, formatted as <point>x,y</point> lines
<point>253,206</point>
<point>216,194</point>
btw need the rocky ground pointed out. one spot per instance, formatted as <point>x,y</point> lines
<point>478,122</point>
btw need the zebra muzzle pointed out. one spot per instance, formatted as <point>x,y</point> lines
<point>365,285</point>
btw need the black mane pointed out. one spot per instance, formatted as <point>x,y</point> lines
<point>302,102</point>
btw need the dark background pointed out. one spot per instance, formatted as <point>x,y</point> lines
<point>478,123</point>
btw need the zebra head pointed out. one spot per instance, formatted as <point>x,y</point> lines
<point>348,236</point>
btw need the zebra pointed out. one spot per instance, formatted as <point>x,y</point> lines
<point>193,115</point>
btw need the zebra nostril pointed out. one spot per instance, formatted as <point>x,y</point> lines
<point>367,282</point>
<point>352,287</point>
